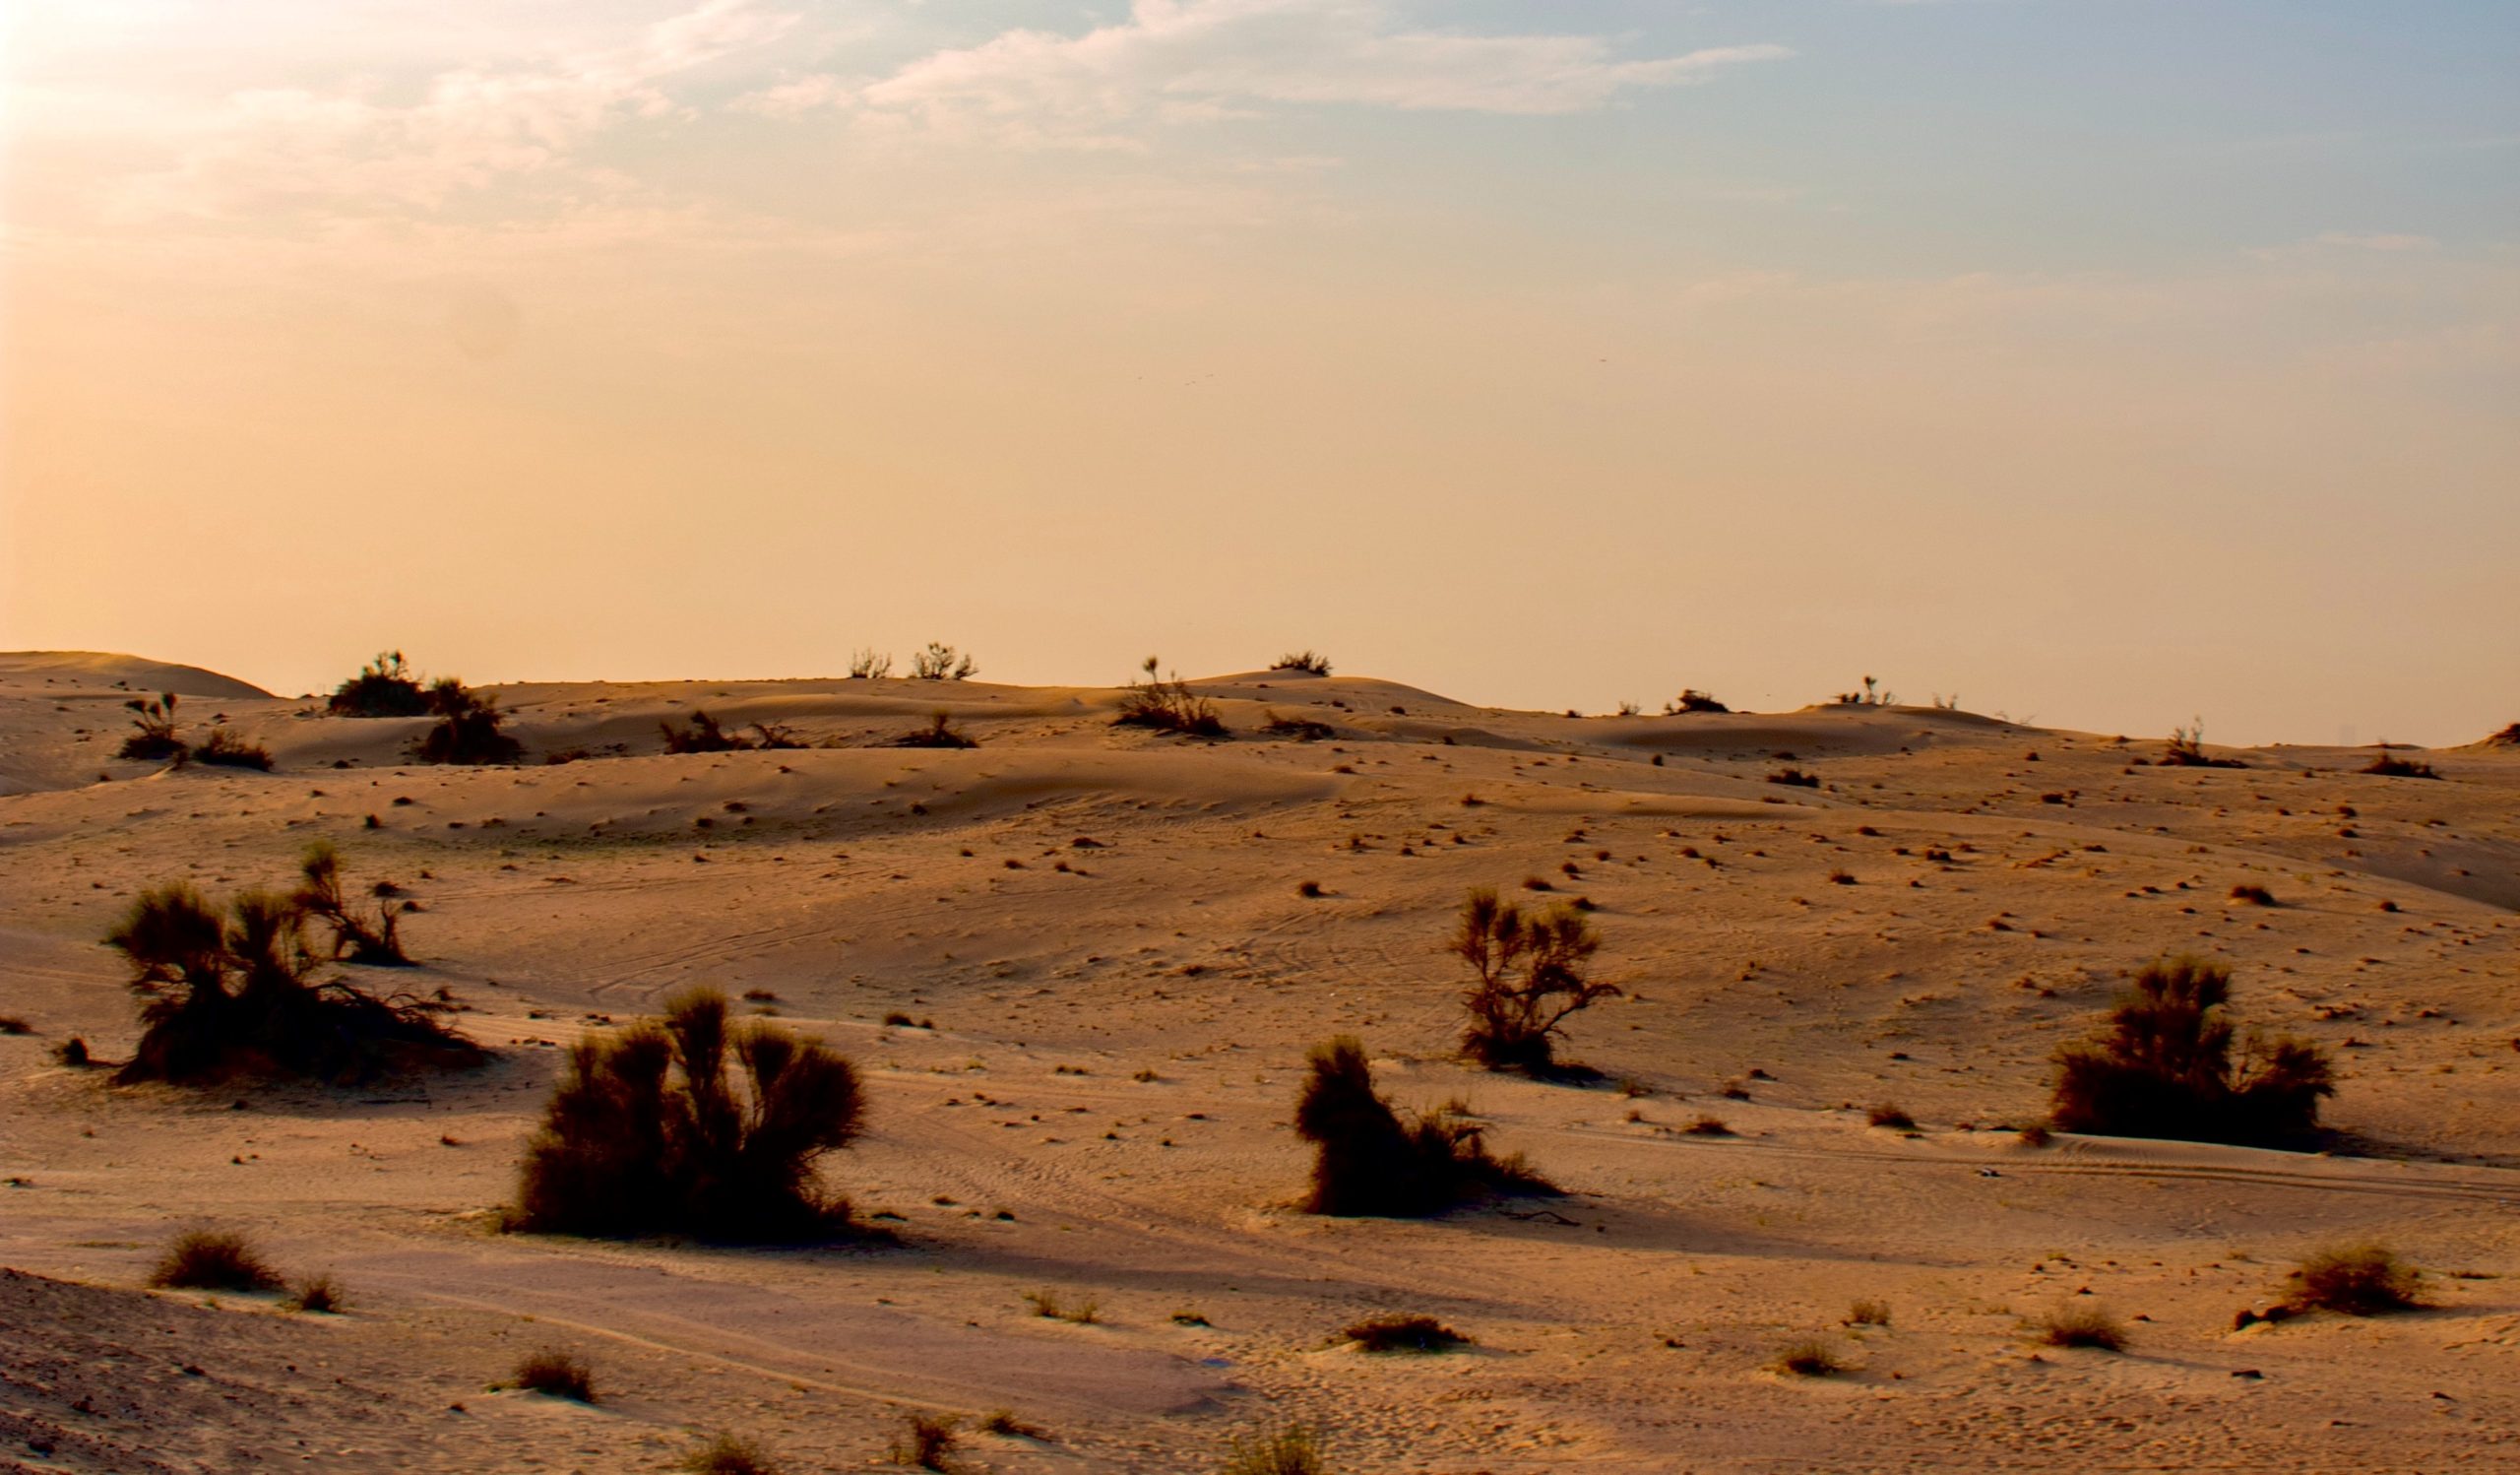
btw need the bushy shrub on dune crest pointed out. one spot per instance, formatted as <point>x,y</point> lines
<point>692,1124</point>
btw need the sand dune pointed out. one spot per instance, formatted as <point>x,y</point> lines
<point>1077,906</point>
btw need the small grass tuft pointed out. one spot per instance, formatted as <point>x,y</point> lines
<point>1708,1126</point>
<point>321,1294</point>
<point>1868,1312</point>
<point>1292,1450</point>
<point>1810,1358</point>
<point>728,1455</point>
<point>554,1374</point>
<point>1891,1116</point>
<point>2082,1326</point>
<point>926,1444</point>
<point>212,1259</point>
<point>1398,1333</point>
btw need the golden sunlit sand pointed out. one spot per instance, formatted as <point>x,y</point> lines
<point>1115,949</point>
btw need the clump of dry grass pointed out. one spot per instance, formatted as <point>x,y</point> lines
<point>2082,1326</point>
<point>2253,894</point>
<point>1292,1450</point>
<point>212,1259</point>
<point>1868,1312</point>
<point>1309,662</point>
<point>927,1443</point>
<point>1086,1312</point>
<point>1167,706</point>
<point>1399,1333</point>
<point>2359,1280</point>
<point>384,687</point>
<point>1891,1116</point>
<point>320,1294</point>
<point>554,1374</point>
<point>1708,1126</point>
<point>727,1454</point>
<point>1810,1358</point>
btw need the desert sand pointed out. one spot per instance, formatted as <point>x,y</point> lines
<point>1105,928</point>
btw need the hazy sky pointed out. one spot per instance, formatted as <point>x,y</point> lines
<point>2107,363</point>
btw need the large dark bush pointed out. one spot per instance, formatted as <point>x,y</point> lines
<point>236,994</point>
<point>2164,1067</point>
<point>467,730</point>
<point>1527,976</point>
<point>692,1125</point>
<point>384,687</point>
<point>1370,1162</point>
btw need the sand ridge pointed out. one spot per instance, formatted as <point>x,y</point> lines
<point>1074,905</point>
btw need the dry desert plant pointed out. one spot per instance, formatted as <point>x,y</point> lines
<point>2082,1326</point>
<point>1810,1358</point>
<point>691,1125</point>
<point>212,1259</point>
<point>384,687</point>
<point>223,748</point>
<point>237,995</point>
<point>2360,1280</point>
<point>926,1444</point>
<point>1167,706</point>
<point>1528,977</point>
<point>2389,765</point>
<point>1309,661</point>
<point>1892,1116</point>
<point>1403,1333</point>
<point>1691,699</point>
<point>865,664</point>
<point>2164,1067</point>
<point>727,1454</point>
<point>942,662</point>
<point>319,1292</point>
<point>554,1374</point>
<point>154,737</point>
<point>469,728</point>
<point>1290,1451</point>
<point>1868,1312</point>
<point>940,731</point>
<point>1370,1162</point>
<point>377,941</point>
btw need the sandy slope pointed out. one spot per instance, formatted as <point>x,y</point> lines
<point>1074,905</point>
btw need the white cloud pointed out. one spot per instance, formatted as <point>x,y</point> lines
<point>1194,59</point>
<point>469,127</point>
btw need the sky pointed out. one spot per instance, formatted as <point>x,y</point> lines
<point>2103,364</point>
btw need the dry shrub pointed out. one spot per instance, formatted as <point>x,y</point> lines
<point>2253,894</point>
<point>2360,1280</point>
<point>2390,766</point>
<point>1370,1162</point>
<point>1399,1333</point>
<point>1167,706</point>
<point>554,1374</point>
<point>1298,729</point>
<point>939,733</point>
<point>702,736</point>
<point>11,1024</point>
<point>1808,1358</point>
<point>2082,1326</point>
<point>2187,749</point>
<point>1528,977</point>
<point>236,994</point>
<point>156,739</point>
<point>1708,1126</point>
<point>1890,1115</point>
<point>225,750</point>
<point>1691,699</point>
<point>1795,778</point>
<point>867,664</point>
<point>942,662</point>
<point>319,1292</point>
<point>212,1259</point>
<point>1309,661</point>
<point>1292,1450</point>
<point>375,941</point>
<point>2164,1067</point>
<point>926,1444</point>
<point>655,1130</point>
<point>1868,1312</point>
<point>728,1455</point>
<point>469,728</point>
<point>384,687</point>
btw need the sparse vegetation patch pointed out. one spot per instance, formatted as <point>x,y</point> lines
<point>214,1260</point>
<point>1527,976</point>
<point>1370,1162</point>
<point>2164,1067</point>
